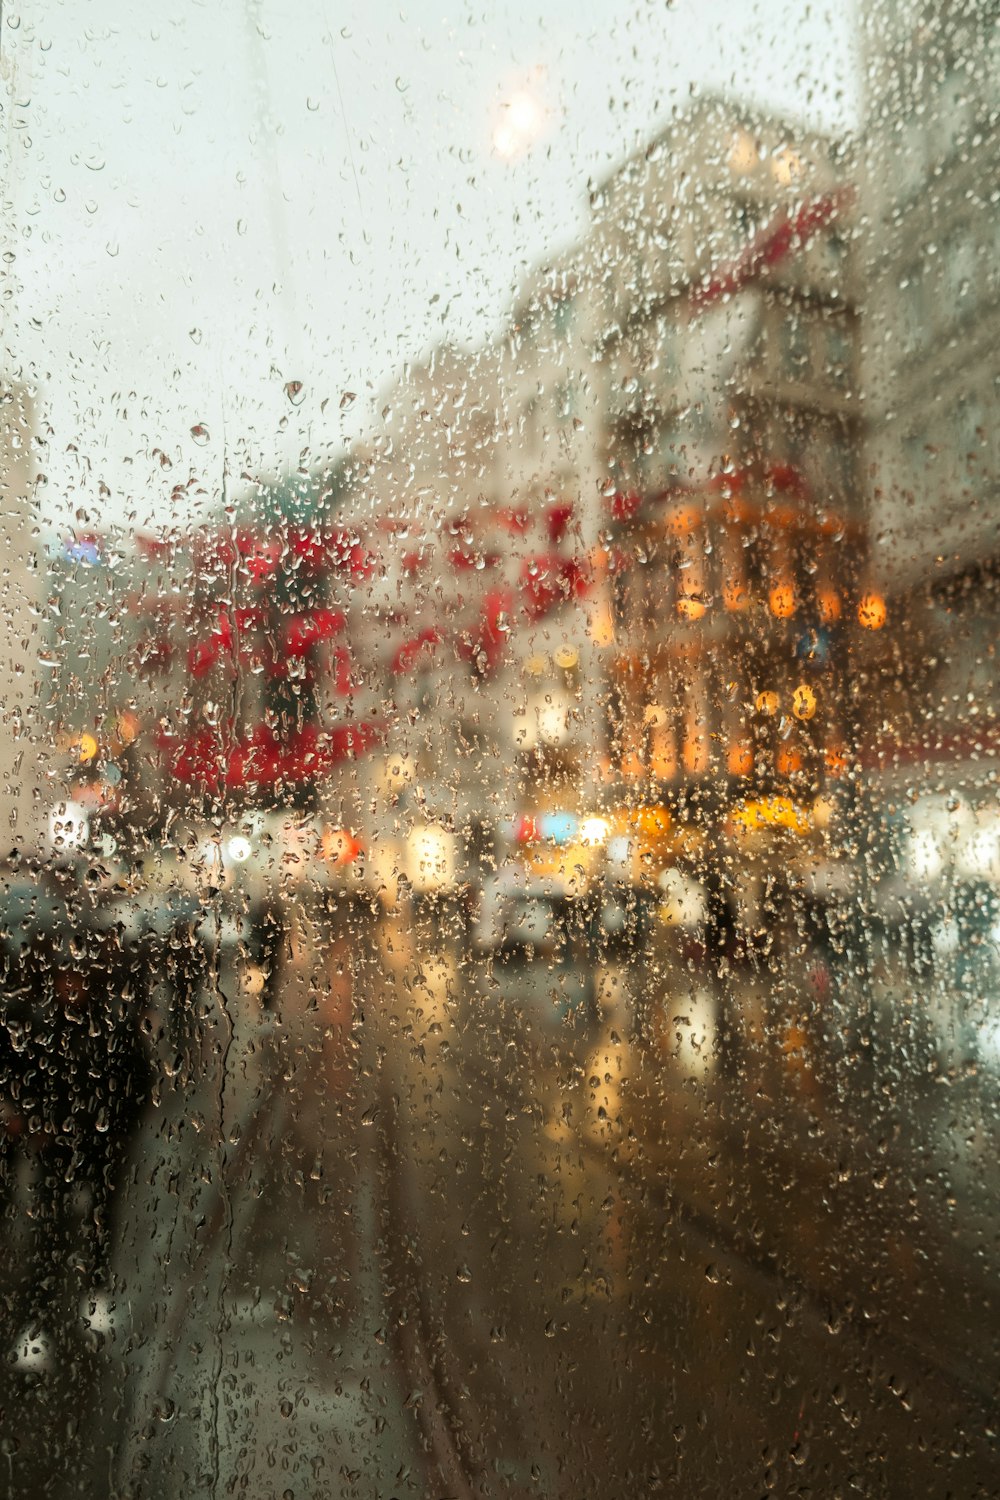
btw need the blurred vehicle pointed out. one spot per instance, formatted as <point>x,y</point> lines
<point>541,943</point>
<point>533,925</point>
<point>623,921</point>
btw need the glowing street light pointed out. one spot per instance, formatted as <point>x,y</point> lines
<point>520,125</point>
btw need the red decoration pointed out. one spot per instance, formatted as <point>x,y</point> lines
<point>624,504</point>
<point>303,631</point>
<point>263,758</point>
<point>557,520</point>
<point>771,246</point>
<point>550,580</point>
<point>406,658</point>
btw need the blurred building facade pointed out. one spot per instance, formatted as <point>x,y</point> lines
<point>932,318</point>
<point>733,437</point>
<point>29,797</point>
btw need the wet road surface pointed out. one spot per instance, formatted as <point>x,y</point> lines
<point>449,1227</point>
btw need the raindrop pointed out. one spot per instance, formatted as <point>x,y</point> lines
<point>295,391</point>
<point>194,334</point>
<point>347,399</point>
<point>200,433</point>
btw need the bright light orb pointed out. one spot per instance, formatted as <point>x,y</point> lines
<point>523,114</point>
<point>521,124</point>
<point>505,141</point>
<point>594,831</point>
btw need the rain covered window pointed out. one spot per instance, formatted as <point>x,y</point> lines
<point>500,892</point>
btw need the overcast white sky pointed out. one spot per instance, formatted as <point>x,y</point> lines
<point>241,193</point>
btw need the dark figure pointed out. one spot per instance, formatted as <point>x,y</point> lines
<point>720,951</point>
<point>74,1080</point>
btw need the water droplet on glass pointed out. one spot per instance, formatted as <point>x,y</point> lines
<point>295,391</point>
<point>347,399</point>
<point>200,433</point>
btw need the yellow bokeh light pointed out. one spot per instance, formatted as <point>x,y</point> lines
<point>803,701</point>
<point>786,166</point>
<point>743,153</point>
<point>87,747</point>
<point>772,812</point>
<point>594,831</point>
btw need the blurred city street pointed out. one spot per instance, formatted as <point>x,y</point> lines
<point>379,1246</point>
<point>499,745</point>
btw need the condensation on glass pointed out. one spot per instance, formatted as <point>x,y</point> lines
<point>500,908</point>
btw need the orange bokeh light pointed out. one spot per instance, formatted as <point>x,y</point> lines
<point>739,760</point>
<point>829,606</point>
<point>782,600</point>
<point>872,612</point>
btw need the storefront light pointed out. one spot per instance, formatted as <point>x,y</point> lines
<point>559,827</point>
<point>782,600</point>
<point>69,826</point>
<point>431,859</point>
<point>594,831</point>
<point>872,613</point>
<point>803,701</point>
<point>829,606</point>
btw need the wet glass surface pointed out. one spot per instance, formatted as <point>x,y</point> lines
<point>500,891</point>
